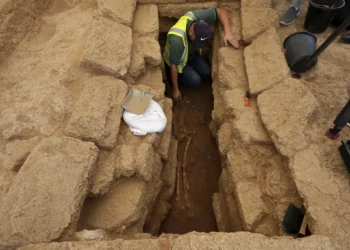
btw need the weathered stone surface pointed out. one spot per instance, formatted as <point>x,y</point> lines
<point>198,241</point>
<point>149,49</point>
<point>137,159</point>
<point>250,203</point>
<point>121,11</point>
<point>240,166</point>
<point>51,185</point>
<point>224,138</point>
<point>232,72</point>
<point>137,64</point>
<point>245,240</point>
<point>286,121</point>
<point>103,175</point>
<point>83,235</point>
<point>315,184</point>
<point>265,62</point>
<point>164,143</point>
<point>152,82</point>
<point>218,110</point>
<point>168,174</point>
<point>257,20</point>
<point>233,101</point>
<point>159,212</point>
<point>97,114</point>
<point>267,227</point>
<point>146,21</point>
<point>226,212</point>
<point>251,129</point>
<point>123,205</point>
<point>256,3</point>
<point>108,47</point>
<point>218,211</point>
<point>17,152</point>
<point>177,10</point>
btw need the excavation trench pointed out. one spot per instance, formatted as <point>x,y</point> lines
<point>199,166</point>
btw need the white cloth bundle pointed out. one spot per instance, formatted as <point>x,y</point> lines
<point>152,121</point>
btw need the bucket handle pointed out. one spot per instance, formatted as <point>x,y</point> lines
<point>329,40</point>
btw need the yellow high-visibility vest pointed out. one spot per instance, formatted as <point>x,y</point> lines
<point>179,29</point>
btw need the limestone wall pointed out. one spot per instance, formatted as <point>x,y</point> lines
<point>296,114</point>
<point>255,186</point>
<point>66,120</point>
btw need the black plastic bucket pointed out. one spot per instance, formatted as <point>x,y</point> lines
<point>341,15</point>
<point>299,47</point>
<point>320,14</point>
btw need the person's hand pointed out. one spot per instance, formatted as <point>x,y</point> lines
<point>177,95</point>
<point>230,38</point>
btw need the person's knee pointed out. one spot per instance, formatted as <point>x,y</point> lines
<point>194,80</point>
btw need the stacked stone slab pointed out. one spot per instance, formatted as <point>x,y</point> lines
<point>254,184</point>
<point>197,241</point>
<point>295,119</point>
<point>44,201</point>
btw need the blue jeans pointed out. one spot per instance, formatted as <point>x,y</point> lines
<point>195,69</point>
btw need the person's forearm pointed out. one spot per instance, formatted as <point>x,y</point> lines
<point>174,76</point>
<point>224,20</point>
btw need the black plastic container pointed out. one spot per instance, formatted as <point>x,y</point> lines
<point>320,14</point>
<point>345,153</point>
<point>299,47</point>
<point>341,15</point>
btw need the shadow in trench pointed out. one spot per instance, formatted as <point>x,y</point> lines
<point>199,165</point>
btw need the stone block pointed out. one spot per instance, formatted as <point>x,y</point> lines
<point>257,20</point>
<point>233,101</point>
<point>137,64</point>
<point>198,241</point>
<point>146,21</point>
<point>265,62</point>
<point>137,159</point>
<point>286,121</point>
<point>251,129</point>
<point>103,175</point>
<point>256,4</point>
<point>164,143</point>
<point>152,82</point>
<point>267,227</point>
<point>149,49</point>
<point>123,205</point>
<point>178,10</point>
<point>218,110</point>
<point>17,152</point>
<point>224,138</point>
<point>317,185</point>
<point>168,175</point>
<point>108,47</point>
<point>231,72</point>
<point>51,185</point>
<point>121,11</point>
<point>98,112</point>
<point>240,165</point>
<point>250,203</point>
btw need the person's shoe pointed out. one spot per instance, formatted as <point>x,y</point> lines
<point>345,39</point>
<point>289,16</point>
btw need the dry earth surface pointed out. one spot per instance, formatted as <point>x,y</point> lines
<point>72,173</point>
